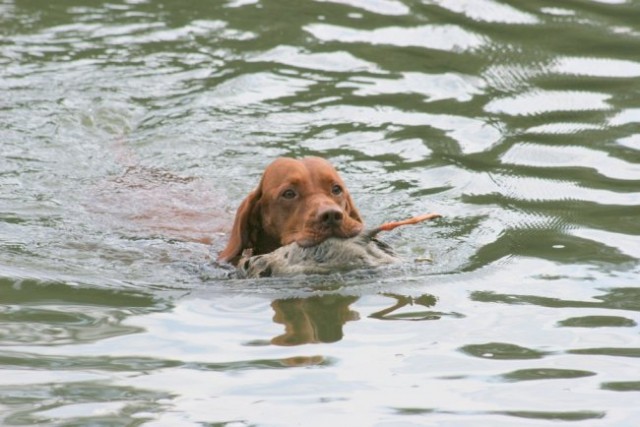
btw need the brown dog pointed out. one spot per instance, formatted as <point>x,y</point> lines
<point>303,201</point>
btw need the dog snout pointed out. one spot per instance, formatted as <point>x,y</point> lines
<point>330,216</point>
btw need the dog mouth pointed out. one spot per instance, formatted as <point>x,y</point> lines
<point>310,239</point>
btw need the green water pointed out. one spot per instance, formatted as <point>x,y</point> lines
<point>130,132</point>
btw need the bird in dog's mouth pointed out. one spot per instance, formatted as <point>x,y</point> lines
<point>332,255</point>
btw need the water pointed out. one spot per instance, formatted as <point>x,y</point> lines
<point>130,131</point>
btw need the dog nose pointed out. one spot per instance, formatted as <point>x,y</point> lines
<point>330,217</point>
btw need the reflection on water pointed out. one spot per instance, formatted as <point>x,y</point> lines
<point>312,320</point>
<point>320,319</point>
<point>402,301</point>
<point>614,298</point>
<point>130,131</point>
<point>35,313</point>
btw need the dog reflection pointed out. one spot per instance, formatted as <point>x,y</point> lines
<point>317,319</point>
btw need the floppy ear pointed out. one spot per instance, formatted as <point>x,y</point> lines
<point>351,209</point>
<point>245,228</point>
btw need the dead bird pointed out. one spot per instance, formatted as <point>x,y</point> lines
<point>332,255</point>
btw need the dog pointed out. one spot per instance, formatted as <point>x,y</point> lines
<point>297,201</point>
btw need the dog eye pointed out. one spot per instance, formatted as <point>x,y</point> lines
<point>336,190</point>
<point>289,194</point>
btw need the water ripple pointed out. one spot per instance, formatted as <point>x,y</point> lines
<point>487,11</point>
<point>336,61</point>
<point>443,37</point>
<point>567,156</point>
<point>131,130</point>
<point>543,102</point>
<point>597,67</point>
<point>383,7</point>
<point>433,87</point>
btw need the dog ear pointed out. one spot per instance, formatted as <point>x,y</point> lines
<point>351,209</point>
<point>245,229</point>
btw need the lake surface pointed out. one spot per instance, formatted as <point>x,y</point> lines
<point>131,130</point>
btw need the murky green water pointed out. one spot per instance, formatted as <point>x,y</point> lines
<point>130,131</point>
